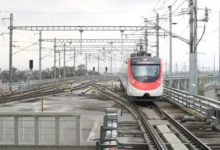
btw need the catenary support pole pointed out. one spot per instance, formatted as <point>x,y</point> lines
<point>64,61</point>
<point>122,47</point>
<point>157,35</point>
<point>219,47</point>
<point>55,70</point>
<point>146,39</point>
<point>74,65</point>
<point>111,56</point>
<point>10,49</point>
<point>59,64</point>
<point>98,63</point>
<point>170,52</point>
<point>193,45</point>
<point>40,55</point>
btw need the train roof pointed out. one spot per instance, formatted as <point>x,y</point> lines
<point>145,60</point>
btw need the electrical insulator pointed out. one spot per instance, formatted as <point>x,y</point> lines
<point>206,19</point>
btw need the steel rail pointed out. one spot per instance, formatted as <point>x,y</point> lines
<point>137,114</point>
<point>195,142</point>
<point>185,131</point>
<point>40,92</point>
<point>54,88</point>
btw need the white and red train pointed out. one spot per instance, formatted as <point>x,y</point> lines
<point>142,76</point>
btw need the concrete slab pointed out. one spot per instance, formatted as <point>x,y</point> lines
<point>131,140</point>
<point>163,128</point>
<point>159,122</point>
<point>179,147</point>
<point>151,114</point>
<point>126,117</point>
<point>171,138</point>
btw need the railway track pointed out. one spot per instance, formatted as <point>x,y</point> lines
<point>157,136</point>
<point>52,88</point>
<point>44,91</point>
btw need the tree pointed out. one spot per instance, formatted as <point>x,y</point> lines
<point>81,70</point>
<point>5,76</point>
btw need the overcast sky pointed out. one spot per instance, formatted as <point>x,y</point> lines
<point>103,12</point>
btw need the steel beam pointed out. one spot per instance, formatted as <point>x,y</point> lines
<point>92,40</point>
<point>100,46</point>
<point>78,28</point>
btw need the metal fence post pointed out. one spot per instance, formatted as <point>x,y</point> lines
<point>57,130</point>
<point>16,130</point>
<point>36,130</point>
<point>97,146</point>
<point>78,130</point>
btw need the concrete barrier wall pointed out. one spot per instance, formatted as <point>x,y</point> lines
<point>34,129</point>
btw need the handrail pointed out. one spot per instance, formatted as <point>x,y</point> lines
<point>204,105</point>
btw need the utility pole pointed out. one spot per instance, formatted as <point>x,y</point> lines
<point>170,26</point>
<point>81,31</point>
<point>86,63</point>
<point>55,72</point>
<point>98,63</point>
<point>219,48</point>
<point>146,39</point>
<point>111,56</point>
<point>166,67</point>
<point>74,65</point>
<point>214,63</point>
<point>10,49</point>
<point>40,53</point>
<point>193,45</point>
<point>105,55</point>
<point>157,34</point>
<point>141,46</point>
<point>176,68</point>
<point>59,64</point>
<point>64,61</point>
<point>122,49</point>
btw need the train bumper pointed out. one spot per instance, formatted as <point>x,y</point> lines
<point>132,91</point>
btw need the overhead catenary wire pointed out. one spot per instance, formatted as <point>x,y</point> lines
<point>166,13</point>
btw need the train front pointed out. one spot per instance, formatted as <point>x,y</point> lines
<point>145,76</point>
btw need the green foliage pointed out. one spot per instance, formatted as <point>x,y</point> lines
<point>200,90</point>
<point>46,74</point>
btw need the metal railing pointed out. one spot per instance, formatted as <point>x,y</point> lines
<point>40,129</point>
<point>204,105</point>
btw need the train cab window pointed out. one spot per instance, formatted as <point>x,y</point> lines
<point>146,73</point>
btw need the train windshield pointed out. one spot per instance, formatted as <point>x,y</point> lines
<point>146,73</point>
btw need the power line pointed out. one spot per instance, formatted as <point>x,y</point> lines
<point>71,13</point>
<point>166,13</point>
<point>179,6</point>
<point>158,1</point>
